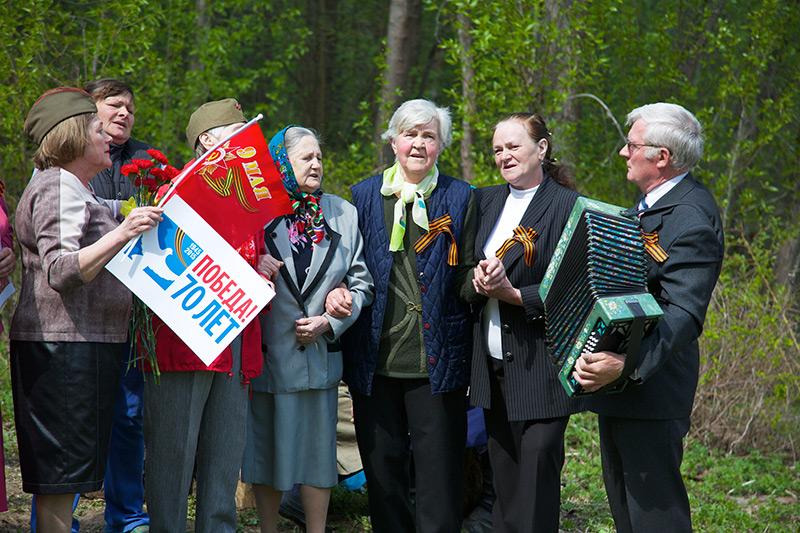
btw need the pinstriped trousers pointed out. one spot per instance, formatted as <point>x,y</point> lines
<point>526,458</point>
<point>202,414</point>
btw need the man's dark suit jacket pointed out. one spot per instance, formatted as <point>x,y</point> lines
<point>532,388</point>
<point>689,230</point>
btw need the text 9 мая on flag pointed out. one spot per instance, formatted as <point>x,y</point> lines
<point>235,186</point>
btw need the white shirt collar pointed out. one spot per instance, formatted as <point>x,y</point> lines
<point>523,194</point>
<point>656,194</point>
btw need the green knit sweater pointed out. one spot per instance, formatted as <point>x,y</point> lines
<point>401,352</point>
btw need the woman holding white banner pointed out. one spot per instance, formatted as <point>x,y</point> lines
<point>197,413</point>
<point>69,329</point>
<point>291,430</point>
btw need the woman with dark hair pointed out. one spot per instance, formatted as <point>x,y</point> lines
<point>69,330</point>
<point>526,409</point>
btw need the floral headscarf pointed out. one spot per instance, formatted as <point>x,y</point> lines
<point>307,216</point>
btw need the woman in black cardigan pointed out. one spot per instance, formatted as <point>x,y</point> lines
<point>526,409</point>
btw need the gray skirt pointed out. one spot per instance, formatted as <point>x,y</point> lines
<point>291,439</point>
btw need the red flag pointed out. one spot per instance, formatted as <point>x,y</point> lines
<point>235,187</point>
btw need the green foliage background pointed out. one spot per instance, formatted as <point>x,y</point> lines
<point>583,65</point>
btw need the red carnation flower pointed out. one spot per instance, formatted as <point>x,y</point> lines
<point>129,169</point>
<point>158,156</point>
<point>171,171</point>
<point>143,164</point>
<point>138,181</point>
<point>159,173</point>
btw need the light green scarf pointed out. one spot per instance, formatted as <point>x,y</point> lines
<point>393,183</point>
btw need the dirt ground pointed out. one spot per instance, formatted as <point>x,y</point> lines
<point>91,507</point>
<point>17,518</point>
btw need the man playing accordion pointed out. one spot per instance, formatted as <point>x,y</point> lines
<point>642,428</point>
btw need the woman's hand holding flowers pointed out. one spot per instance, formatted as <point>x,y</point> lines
<point>140,220</point>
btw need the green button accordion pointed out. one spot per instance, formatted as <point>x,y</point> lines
<point>595,292</point>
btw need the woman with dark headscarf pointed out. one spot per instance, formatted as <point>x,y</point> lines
<point>291,435</point>
<point>69,329</point>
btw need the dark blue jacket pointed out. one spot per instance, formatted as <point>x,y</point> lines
<point>446,330</point>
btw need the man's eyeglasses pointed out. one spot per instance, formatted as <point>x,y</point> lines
<point>632,146</point>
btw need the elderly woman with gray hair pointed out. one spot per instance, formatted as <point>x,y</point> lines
<point>407,357</point>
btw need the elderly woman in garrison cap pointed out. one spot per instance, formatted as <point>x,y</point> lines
<point>69,329</point>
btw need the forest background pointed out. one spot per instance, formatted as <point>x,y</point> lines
<point>342,66</point>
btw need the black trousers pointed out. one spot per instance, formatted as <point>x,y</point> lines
<point>403,415</point>
<point>642,473</point>
<point>526,458</point>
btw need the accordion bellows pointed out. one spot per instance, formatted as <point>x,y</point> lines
<point>595,291</point>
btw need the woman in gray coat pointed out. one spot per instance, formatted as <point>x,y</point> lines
<point>291,435</point>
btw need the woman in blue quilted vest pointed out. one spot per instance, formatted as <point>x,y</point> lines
<point>406,359</point>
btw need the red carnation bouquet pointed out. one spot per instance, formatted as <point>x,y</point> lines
<point>151,179</point>
<point>148,179</point>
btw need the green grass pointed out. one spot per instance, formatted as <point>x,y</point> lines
<point>751,492</point>
<point>755,492</point>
